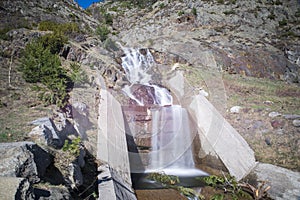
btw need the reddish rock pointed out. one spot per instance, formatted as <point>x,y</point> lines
<point>143,93</point>
<point>276,124</point>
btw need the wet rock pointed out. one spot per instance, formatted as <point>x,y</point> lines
<point>235,109</point>
<point>296,123</point>
<point>23,159</point>
<point>80,159</point>
<point>16,188</point>
<point>274,114</point>
<point>144,94</point>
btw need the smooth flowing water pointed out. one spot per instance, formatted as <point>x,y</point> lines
<point>171,139</point>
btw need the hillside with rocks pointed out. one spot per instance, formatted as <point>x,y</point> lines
<point>244,56</point>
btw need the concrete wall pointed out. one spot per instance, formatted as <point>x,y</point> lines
<point>217,137</point>
<point>114,179</point>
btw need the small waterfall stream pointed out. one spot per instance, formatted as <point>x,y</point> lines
<point>136,66</point>
<point>171,139</point>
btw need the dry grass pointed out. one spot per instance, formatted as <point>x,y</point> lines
<point>258,97</point>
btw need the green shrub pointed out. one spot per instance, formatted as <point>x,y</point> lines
<point>3,33</point>
<point>64,29</point>
<point>283,22</point>
<point>77,75</point>
<point>39,65</point>
<point>108,19</point>
<point>48,26</point>
<point>38,62</point>
<point>194,11</point>
<point>102,32</point>
<point>229,12</point>
<point>297,13</point>
<point>53,41</point>
<point>143,3</point>
<point>180,13</point>
<point>170,181</point>
<point>277,2</point>
<point>271,16</point>
<point>72,147</point>
<point>162,5</point>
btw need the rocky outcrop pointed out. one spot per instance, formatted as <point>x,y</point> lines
<point>51,192</point>
<point>23,159</point>
<point>234,33</point>
<point>46,132</point>
<point>27,13</point>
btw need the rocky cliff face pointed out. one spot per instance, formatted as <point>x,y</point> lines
<point>19,14</point>
<point>255,38</point>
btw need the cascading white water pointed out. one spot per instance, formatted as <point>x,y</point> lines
<point>136,66</point>
<point>171,139</point>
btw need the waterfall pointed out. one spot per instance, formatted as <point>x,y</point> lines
<point>137,66</point>
<point>171,139</point>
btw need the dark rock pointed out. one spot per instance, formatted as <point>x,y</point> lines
<point>268,141</point>
<point>52,193</point>
<point>23,159</point>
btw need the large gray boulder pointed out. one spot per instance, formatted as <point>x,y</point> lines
<point>46,132</point>
<point>285,184</point>
<point>23,159</point>
<point>15,188</point>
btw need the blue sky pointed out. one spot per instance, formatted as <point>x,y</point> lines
<point>86,3</point>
